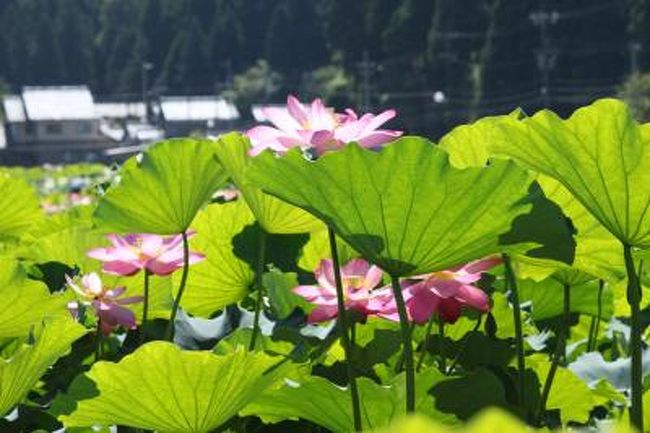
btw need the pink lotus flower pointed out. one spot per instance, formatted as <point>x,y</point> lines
<point>444,293</point>
<point>359,280</point>
<point>226,194</point>
<point>447,292</point>
<point>106,302</point>
<point>160,255</point>
<point>319,128</point>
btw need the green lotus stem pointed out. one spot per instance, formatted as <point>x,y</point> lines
<point>344,329</point>
<point>594,326</point>
<point>145,309</point>
<point>560,352</point>
<point>399,365</point>
<point>634,295</point>
<point>443,355</point>
<point>423,350</point>
<point>98,342</point>
<point>169,333</point>
<point>519,334</point>
<point>259,303</point>
<point>452,367</point>
<point>406,342</point>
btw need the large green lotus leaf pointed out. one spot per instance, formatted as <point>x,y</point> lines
<point>275,216</point>
<point>547,227</point>
<point>502,313</point>
<point>24,302</point>
<point>21,372</point>
<point>469,145</point>
<point>163,192</point>
<point>404,208</point>
<point>19,207</point>
<point>69,246</point>
<point>597,252</point>
<point>621,306</point>
<point>600,154</point>
<point>222,278</point>
<point>78,216</point>
<point>282,300</point>
<point>547,298</point>
<point>160,387</point>
<point>318,248</point>
<point>569,394</point>
<point>495,420</point>
<point>415,423</point>
<point>487,421</point>
<point>315,399</point>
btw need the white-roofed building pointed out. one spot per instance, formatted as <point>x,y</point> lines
<point>120,110</point>
<point>185,115</point>
<point>52,124</point>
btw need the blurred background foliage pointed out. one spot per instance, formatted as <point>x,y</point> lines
<point>440,62</point>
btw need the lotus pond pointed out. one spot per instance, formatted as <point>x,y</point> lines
<point>326,275</point>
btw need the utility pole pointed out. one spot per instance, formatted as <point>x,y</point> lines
<point>546,55</point>
<point>146,67</point>
<point>634,48</point>
<point>366,69</point>
<point>229,74</point>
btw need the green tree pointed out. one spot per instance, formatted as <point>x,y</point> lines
<point>75,33</point>
<point>226,38</point>
<point>153,33</point>
<point>295,33</point>
<point>45,54</point>
<point>186,67</point>
<point>636,92</point>
<point>255,85</point>
<point>115,42</point>
<point>331,83</point>
<point>344,30</point>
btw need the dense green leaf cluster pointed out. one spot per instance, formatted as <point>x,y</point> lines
<point>559,200</point>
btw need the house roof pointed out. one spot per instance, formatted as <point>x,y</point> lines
<point>119,110</point>
<point>58,103</point>
<point>197,108</point>
<point>14,111</point>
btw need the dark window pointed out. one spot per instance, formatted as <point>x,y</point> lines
<point>53,129</point>
<point>85,128</point>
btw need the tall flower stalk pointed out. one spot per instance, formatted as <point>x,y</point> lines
<point>425,342</point>
<point>406,343</point>
<point>634,299</point>
<point>594,327</point>
<point>145,308</point>
<point>511,280</point>
<point>345,336</point>
<point>169,333</point>
<point>259,302</point>
<point>443,354</point>
<point>560,353</point>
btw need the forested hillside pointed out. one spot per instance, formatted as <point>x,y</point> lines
<point>482,56</point>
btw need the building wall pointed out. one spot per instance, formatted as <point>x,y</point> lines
<point>54,131</point>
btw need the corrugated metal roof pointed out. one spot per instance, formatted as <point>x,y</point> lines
<point>13,108</point>
<point>59,103</point>
<point>197,108</point>
<point>119,110</point>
